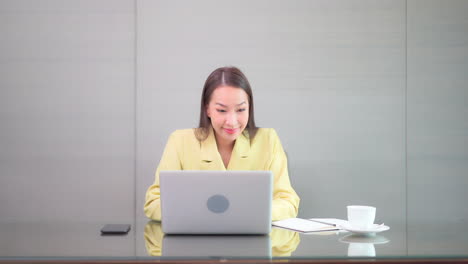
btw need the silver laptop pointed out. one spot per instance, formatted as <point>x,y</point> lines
<point>216,202</point>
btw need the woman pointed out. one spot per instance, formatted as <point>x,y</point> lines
<point>227,139</point>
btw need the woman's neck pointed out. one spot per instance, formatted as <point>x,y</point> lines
<point>224,145</point>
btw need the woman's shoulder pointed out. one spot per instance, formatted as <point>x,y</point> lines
<point>266,132</point>
<point>266,135</point>
<point>182,138</point>
<point>182,132</point>
<point>187,133</point>
<point>267,139</point>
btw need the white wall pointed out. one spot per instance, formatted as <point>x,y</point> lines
<point>437,123</point>
<point>67,110</point>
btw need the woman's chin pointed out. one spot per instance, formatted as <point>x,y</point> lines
<point>228,136</point>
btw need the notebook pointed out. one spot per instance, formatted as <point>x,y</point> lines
<point>216,202</point>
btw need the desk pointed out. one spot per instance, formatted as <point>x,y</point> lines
<point>81,242</point>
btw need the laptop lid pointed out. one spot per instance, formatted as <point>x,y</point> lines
<point>216,202</point>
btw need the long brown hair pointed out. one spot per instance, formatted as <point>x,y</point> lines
<point>225,76</point>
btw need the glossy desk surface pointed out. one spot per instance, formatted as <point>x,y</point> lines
<point>80,240</point>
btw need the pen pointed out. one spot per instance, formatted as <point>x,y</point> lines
<point>322,222</point>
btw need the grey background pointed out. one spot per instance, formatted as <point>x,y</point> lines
<point>67,109</point>
<point>368,98</point>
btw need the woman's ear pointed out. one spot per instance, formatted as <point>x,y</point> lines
<point>207,109</point>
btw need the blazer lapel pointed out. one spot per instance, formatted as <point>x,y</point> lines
<point>210,158</point>
<point>240,154</point>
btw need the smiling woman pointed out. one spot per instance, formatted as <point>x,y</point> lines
<point>228,117</point>
<point>226,89</point>
<point>227,139</point>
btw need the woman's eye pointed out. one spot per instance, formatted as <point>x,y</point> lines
<point>241,110</point>
<point>220,110</point>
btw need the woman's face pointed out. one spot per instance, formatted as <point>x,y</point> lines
<point>229,112</point>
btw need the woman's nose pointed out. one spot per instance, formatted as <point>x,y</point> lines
<point>231,119</point>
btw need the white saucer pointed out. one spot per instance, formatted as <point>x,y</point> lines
<point>373,229</point>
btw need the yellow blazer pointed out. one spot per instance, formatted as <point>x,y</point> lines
<point>185,152</point>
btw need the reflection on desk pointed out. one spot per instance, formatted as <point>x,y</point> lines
<point>279,242</point>
<point>363,245</point>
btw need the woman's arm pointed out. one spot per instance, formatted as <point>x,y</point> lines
<point>285,199</point>
<point>169,161</point>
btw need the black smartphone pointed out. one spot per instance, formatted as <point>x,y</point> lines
<point>115,229</point>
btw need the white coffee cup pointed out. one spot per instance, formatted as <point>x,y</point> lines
<point>360,216</point>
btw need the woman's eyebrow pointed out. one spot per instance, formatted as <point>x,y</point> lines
<point>226,105</point>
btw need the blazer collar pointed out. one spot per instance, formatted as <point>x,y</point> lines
<point>209,149</point>
<point>242,145</point>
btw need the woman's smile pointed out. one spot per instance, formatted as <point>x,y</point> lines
<point>231,130</point>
